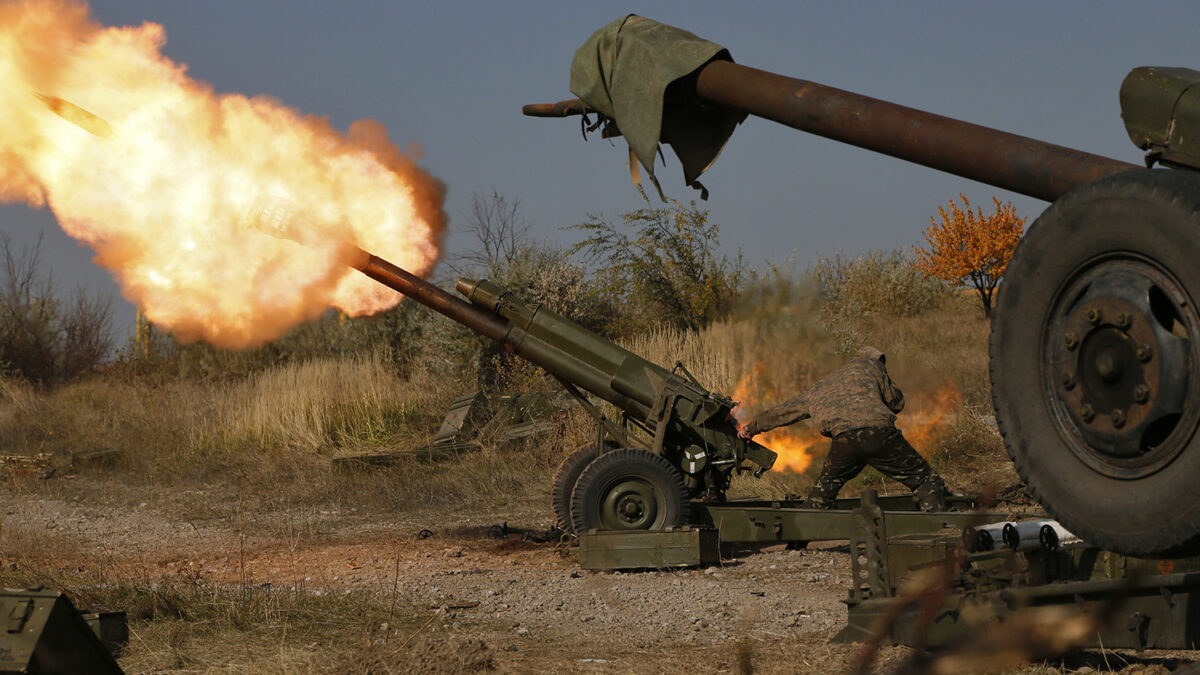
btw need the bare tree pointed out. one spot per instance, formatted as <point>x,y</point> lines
<point>26,312</point>
<point>84,334</point>
<point>499,230</point>
<point>43,338</point>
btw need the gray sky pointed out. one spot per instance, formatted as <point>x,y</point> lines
<point>452,76</point>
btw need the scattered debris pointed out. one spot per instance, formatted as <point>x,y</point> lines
<point>507,416</point>
<point>94,458</point>
<point>505,531</point>
<point>455,605</point>
<point>14,466</point>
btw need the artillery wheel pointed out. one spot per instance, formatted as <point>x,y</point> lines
<point>1095,353</point>
<point>564,482</point>
<point>629,489</point>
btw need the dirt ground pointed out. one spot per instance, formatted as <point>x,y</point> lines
<point>469,599</point>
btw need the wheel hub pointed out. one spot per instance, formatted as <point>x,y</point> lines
<point>1116,356</point>
<point>630,504</point>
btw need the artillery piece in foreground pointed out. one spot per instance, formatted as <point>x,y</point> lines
<point>1095,343</point>
<point>624,480</point>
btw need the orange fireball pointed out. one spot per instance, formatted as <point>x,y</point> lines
<point>157,173</point>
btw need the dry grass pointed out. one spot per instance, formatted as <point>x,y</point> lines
<point>161,429</point>
<point>310,406</point>
<point>279,428</point>
<point>191,623</point>
<point>266,441</point>
<point>269,438</point>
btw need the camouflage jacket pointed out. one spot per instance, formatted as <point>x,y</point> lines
<point>856,396</point>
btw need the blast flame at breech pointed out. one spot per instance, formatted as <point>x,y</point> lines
<point>157,173</point>
<point>926,416</point>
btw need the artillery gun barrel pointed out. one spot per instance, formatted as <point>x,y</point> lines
<point>567,366</point>
<point>1017,163</point>
<point>412,286</point>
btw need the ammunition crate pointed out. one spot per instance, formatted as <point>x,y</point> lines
<point>649,549</point>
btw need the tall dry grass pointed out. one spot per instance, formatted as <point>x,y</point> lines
<point>271,437</point>
<point>278,428</point>
<point>313,405</point>
<point>306,407</point>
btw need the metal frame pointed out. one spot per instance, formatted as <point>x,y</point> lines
<point>1138,603</point>
<point>789,521</point>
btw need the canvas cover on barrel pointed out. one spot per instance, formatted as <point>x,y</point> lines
<point>624,72</point>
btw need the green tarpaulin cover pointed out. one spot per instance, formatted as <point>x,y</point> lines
<point>625,71</point>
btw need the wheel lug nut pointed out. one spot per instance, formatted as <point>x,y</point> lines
<point>1144,352</point>
<point>1068,380</point>
<point>1141,393</point>
<point>1070,341</point>
<point>1093,315</point>
<point>1122,320</point>
<point>1087,413</point>
<point>1118,418</point>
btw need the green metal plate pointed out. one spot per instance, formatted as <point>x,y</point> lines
<point>785,521</point>
<point>648,549</point>
<point>1161,109</point>
<point>42,632</point>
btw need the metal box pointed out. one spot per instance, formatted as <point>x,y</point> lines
<point>43,633</point>
<point>649,549</point>
<point>1161,109</point>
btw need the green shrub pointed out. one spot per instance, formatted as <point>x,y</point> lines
<point>873,285</point>
<point>884,284</point>
<point>664,273</point>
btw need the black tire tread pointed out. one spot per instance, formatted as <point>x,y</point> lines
<point>565,478</point>
<point>1170,187</point>
<point>629,457</point>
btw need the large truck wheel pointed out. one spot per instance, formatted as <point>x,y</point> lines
<point>1095,348</point>
<point>629,489</point>
<point>564,482</point>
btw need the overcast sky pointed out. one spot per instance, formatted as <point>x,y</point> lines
<point>452,76</point>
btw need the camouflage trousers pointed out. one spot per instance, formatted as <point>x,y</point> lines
<point>886,449</point>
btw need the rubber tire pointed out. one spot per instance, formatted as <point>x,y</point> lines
<point>1155,213</point>
<point>613,467</point>
<point>565,478</point>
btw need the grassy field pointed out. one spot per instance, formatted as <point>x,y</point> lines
<point>238,449</point>
<point>280,427</point>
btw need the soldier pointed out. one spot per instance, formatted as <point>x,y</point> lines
<point>856,406</point>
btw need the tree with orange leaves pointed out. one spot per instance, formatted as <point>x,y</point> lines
<point>970,248</point>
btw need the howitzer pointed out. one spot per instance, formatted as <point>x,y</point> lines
<point>1095,343</point>
<point>688,445</point>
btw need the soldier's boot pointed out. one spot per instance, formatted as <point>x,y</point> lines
<point>931,494</point>
<point>714,486</point>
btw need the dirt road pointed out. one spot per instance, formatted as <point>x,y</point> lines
<point>529,603</point>
<point>457,597</point>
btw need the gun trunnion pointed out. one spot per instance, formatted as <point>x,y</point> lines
<point>1095,341</point>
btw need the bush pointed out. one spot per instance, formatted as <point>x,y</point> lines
<point>537,273</point>
<point>666,273</point>
<point>534,273</point>
<point>394,337</point>
<point>46,339</point>
<point>872,285</point>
